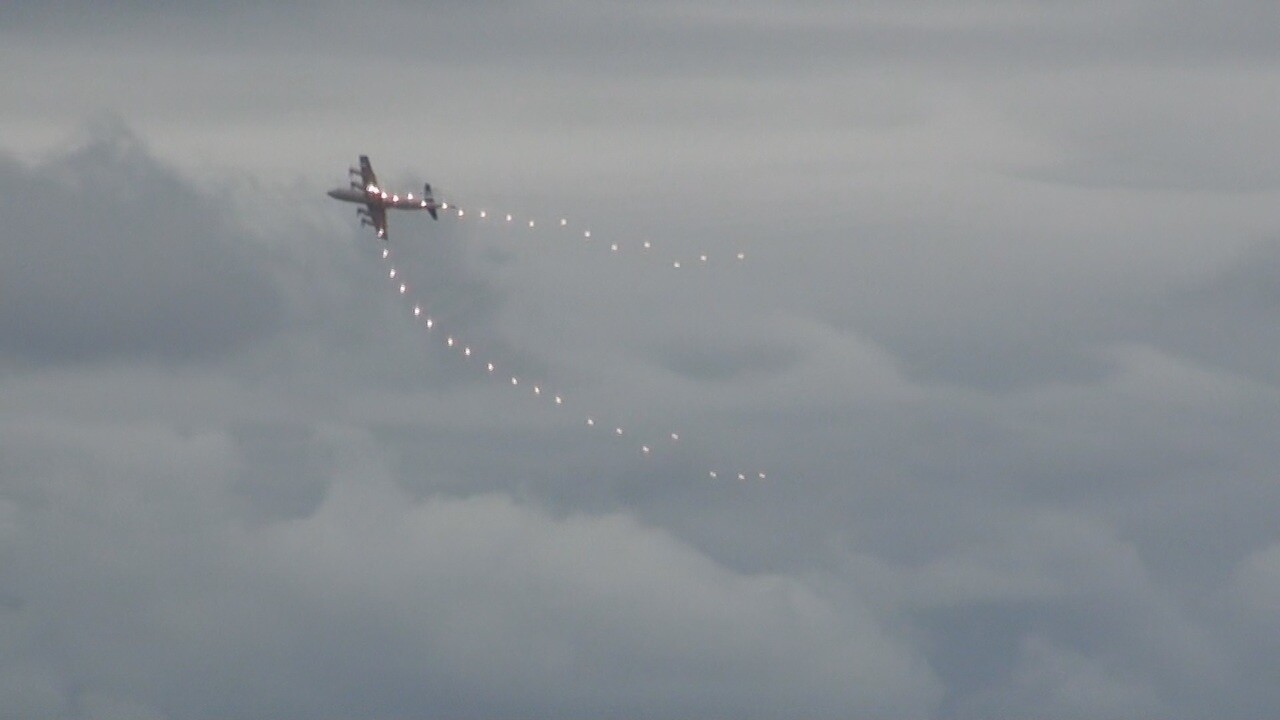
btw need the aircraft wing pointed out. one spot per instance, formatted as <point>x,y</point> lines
<point>378,216</point>
<point>366,172</point>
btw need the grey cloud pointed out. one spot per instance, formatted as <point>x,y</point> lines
<point>1179,128</point>
<point>1257,582</point>
<point>1001,343</point>
<point>284,469</point>
<point>1218,320</point>
<point>1054,681</point>
<point>696,359</point>
<point>473,607</point>
<point>107,254</point>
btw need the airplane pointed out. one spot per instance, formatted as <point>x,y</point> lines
<point>366,190</point>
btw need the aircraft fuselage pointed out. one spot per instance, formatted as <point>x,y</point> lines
<point>351,195</point>
<point>377,197</point>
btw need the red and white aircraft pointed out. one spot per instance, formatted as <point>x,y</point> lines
<point>366,191</point>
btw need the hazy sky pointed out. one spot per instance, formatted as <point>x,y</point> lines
<point>1004,341</point>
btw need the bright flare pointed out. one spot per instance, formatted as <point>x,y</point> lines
<point>537,390</point>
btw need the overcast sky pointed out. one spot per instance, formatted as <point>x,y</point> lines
<point>1004,342</point>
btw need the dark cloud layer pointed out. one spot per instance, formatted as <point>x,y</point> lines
<point>1002,343</point>
<point>106,254</point>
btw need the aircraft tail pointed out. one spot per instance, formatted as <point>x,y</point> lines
<point>431,201</point>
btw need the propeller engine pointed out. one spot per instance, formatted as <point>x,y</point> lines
<point>354,172</point>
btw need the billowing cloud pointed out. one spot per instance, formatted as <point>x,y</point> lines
<point>162,591</point>
<point>106,254</point>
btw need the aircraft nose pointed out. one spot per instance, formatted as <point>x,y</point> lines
<point>332,194</point>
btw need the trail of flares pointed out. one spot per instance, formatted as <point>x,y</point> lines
<point>537,390</point>
<point>616,247</point>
